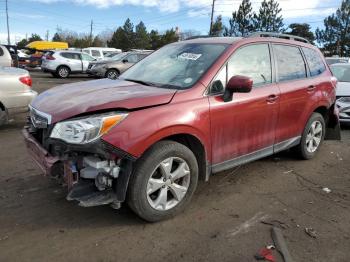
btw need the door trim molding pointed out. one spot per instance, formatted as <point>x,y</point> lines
<point>268,151</point>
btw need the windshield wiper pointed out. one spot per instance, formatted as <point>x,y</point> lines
<point>140,82</point>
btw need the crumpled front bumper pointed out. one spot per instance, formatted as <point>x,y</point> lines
<point>80,189</point>
<point>43,159</point>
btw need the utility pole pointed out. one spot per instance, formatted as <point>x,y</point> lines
<point>212,17</point>
<point>8,27</point>
<point>91,26</point>
<point>47,35</point>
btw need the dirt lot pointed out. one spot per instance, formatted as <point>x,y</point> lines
<point>221,224</point>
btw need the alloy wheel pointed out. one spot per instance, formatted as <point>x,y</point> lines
<point>314,136</point>
<point>63,72</point>
<point>112,75</point>
<point>168,184</point>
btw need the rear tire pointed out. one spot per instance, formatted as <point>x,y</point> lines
<point>63,72</point>
<point>3,117</point>
<point>312,137</point>
<point>155,196</point>
<point>112,74</point>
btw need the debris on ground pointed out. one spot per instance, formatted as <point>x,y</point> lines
<point>280,244</point>
<point>4,238</point>
<point>266,254</point>
<point>327,190</point>
<point>287,172</point>
<point>275,223</point>
<point>311,232</point>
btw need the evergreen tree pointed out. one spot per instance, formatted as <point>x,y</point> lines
<point>57,37</point>
<point>217,28</point>
<point>142,39</point>
<point>123,37</point>
<point>302,30</point>
<point>97,42</point>
<point>154,39</point>
<point>269,18</point>
<point>170,36</point>
<point>335,37</point>
<point>241,23</point>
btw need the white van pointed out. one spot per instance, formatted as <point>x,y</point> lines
<point>100,52</point>
<point>5,56</point>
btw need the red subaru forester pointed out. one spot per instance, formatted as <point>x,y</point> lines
<point>189,110</point>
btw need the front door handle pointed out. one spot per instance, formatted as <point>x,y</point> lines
<point>271,99</point>
<point>311,88</point>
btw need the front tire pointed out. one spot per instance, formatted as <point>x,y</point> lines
<point>312,137</point>
<point>112,74</point>
<point>163,181</point>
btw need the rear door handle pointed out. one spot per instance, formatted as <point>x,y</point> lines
<point>272,99</point>
<point>311,88</point>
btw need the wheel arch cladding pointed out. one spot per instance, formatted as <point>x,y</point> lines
<point>198,149</point>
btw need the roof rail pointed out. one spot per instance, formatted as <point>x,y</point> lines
<point>279,35</point>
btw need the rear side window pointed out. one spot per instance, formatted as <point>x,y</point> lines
<point>95,53</point>
<point>133,58</point>
<point>1,51</point>
<point>252,61</point>
<point>290,63</point>
<point>71,56</point>
<point>314,61</point>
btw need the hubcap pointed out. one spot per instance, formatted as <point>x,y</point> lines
<point>63,72</point>
<point>168,184</point>
<point>314,136</point>
<point>112,75</point>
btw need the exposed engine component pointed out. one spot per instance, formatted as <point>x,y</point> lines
<point>102,171</point>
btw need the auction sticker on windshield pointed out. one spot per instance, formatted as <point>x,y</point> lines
<point>189,56</point>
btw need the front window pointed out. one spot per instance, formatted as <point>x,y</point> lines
<point>342,73</point>
<point>178,65</point>
<point>87,57</point>
<point>252,61</point>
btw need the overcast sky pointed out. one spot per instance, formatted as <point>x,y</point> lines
<point>38,16</point>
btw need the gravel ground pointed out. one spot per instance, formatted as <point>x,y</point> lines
<point>223,222</point>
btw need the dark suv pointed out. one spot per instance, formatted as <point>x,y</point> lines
<point>187,111</point>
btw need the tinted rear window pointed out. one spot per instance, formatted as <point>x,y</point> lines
<point>315,61</point>
<point>71,56</point>
<point>290,63</point>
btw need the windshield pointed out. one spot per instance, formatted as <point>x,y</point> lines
<point>342,73</point>
<point>175,66</point>
<point>118,57</point>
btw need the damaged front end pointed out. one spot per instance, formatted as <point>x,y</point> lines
<point>95,173</point>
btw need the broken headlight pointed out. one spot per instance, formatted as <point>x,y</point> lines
<point>85,130</point>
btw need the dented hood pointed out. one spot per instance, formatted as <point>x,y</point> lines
<point>70,100</point>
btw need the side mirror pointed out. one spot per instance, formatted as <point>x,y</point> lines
<point>237,84</point>
<point>125,61</point>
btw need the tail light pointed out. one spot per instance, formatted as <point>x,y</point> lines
<point>334,81</point>
<point>27,80</point>
<point>50,57</point>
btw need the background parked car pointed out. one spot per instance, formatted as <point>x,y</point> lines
<point>63,63</point>
<point>15,92</point>
<point>117,65</point>
<point>100,52</point>
<point>5,56</point>
<point>342,73</point>
<point>337,60</point>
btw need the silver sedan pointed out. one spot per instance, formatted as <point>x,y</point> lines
<point>15,92</point>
